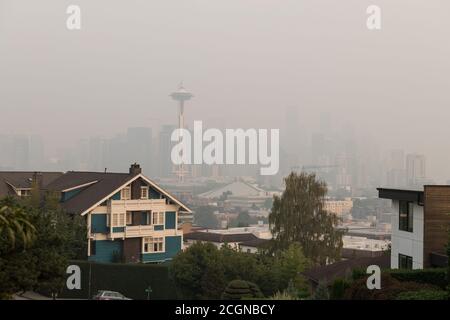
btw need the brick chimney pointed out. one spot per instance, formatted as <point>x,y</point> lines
<point>38,180</point>
<point>135,169</point>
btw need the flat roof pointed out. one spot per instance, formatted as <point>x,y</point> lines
<point>401,194</point>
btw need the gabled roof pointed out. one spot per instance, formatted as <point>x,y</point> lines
<point>237,189</point>
<point>220,237</point>
<point>96,192</point>
<point>96,187</point>
<point>10,180</point>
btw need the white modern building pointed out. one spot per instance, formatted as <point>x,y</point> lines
<point>420,222</point>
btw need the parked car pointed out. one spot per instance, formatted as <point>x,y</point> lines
<point>109,295</point>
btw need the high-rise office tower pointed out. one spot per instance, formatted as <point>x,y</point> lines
<point>415,169</point>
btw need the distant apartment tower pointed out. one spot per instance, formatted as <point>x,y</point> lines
<point>415,169</point>
<point>396,173</point>
<point>165,148</point>
<point>139,143</point>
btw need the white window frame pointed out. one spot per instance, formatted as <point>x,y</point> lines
<point>129,216</point>
<point>125,193</point>
<point>144,192</point>
<point>158,218</point>
<point>118,219</point>
<point>150,242</point>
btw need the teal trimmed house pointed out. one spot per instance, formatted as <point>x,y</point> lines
<point>129,217</point>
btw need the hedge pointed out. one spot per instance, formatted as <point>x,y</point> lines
<point>423,295</point>
<point>129,279</point>
<point>434,276</point>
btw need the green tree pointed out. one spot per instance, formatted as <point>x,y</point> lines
<point>298,215</point>
<point>291,263</point>
<point>242,220</point>
<point>204,217</point>
<point>40,265</point>
<point>15,223</point>
<point>202,271</point>
<point>193,270</point>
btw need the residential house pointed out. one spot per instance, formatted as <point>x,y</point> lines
<point>128,216</point>
<point>20,183</point>
<point>218,239</point>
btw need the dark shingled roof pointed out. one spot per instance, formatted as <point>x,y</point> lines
<point>256,243</point>
<point>23,180</point>
<point>220,237</point>
<point>90,195</point>
<point>341,269</point>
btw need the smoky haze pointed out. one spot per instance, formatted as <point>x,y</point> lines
<point>250,64</point>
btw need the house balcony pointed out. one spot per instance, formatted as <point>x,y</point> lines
<point>136,205</point>
<point>139,231</point>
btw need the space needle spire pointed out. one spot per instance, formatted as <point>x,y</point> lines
<point>181,95</point>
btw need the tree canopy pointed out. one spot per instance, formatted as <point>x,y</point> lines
<point>298,216</point>
<point>203,271</point>
<point>39,264</point>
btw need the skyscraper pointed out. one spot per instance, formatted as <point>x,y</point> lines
<point>165,147</point>
<point>415,169</point>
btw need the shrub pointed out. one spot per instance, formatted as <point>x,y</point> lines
<point>338,289</point>
<point>240,289</point>
<point>390,289</point>
<point>321,292</point>
<point>423,295</point>
<point>283,296</point>
<point>435,276</point>
<point>358,274</point>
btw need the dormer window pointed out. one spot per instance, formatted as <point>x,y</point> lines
<point>144,192</point>
<point>125,193</point>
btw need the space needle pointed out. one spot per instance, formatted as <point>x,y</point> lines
<point>181,95</point>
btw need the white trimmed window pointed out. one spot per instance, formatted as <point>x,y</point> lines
<point>158,218</point>
<point>144,192</point>
<point>118,220</point>
<point>129,217</point>
<point>152,244</point>
<point>125,193</point>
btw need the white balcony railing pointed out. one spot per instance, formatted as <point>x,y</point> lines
<point>138,231</point>
<point>136,205</point>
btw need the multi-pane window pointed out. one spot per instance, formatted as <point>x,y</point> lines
<point>405,211</point>
<point>144,192</point>
<point>118,219</point>
<point>148,217</point>
<point>158,218</point>
<point>152,244</point>
<point>129,218</point>
<point>405,262</point>
<point>125,193</point>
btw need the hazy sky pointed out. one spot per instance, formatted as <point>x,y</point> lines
<point>246,61</point>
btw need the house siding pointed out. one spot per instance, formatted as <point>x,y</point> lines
<point>70,194</point>
<point>172,247</point>
<point>170,220</point>
<point>105,250</point>
<point>98,223</point>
